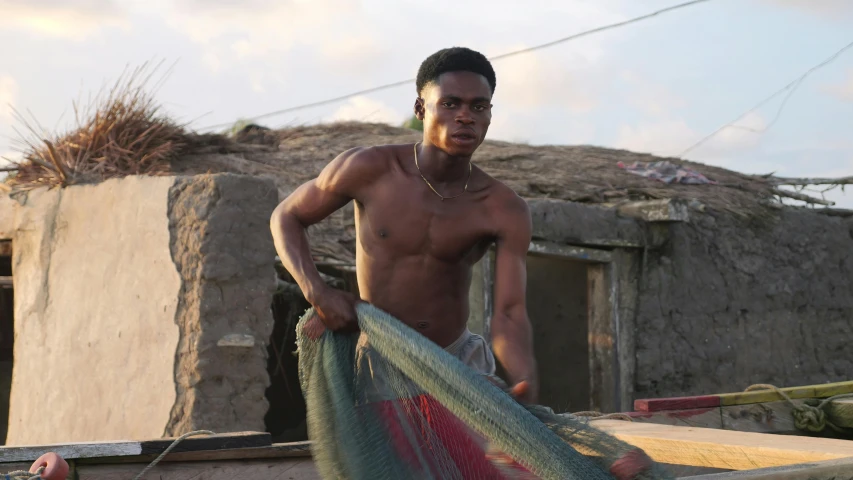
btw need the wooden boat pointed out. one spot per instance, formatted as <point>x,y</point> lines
<point>751,456</point>
<point>742,436</point>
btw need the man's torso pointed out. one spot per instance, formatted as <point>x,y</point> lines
<point>415,252</point>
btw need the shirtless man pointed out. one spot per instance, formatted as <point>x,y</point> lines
<point>424,216</point>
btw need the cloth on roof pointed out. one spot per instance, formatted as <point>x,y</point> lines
<point>667,172</point>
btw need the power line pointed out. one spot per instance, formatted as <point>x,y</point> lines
<point>497,57</point>
<point>791,88</point>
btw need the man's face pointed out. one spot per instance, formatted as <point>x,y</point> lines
<point>456,112</point>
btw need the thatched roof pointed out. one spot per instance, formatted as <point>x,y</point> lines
<point>574,173</point>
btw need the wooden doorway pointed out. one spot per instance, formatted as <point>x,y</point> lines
<point>7,334</point>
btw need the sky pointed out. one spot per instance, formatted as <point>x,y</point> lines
<point>656,86</point>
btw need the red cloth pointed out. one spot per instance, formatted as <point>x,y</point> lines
<point>440,434</point>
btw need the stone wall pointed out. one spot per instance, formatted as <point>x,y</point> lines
<point>723,305</point>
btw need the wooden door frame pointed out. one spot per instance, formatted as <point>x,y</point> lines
<point>611,287</point>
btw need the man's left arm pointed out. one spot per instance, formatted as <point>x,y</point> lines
<point>512,339</point>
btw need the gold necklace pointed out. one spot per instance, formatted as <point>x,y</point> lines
<point>443,198</point>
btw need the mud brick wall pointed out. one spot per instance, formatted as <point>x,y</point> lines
<point>724,305</point>
<point>222,247</point>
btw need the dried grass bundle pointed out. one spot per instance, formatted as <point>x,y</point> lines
<point>120,133</point>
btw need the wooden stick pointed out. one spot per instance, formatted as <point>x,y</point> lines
<point>811,181</point>
<point>825,390</point>
<point>802,197</point>
<point>9,169</point>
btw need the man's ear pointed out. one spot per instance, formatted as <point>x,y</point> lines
<point>419,109</point>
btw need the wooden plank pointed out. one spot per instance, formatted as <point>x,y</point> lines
<point>697,417</point>
<point>209,442</point>
<point>826,470</point>
<point>676,403</point>
<point>70,451</point>
<point>603,363</point>
<point>705,447</point>
<point>840,412</point>
<point>773,417</point>
<point>583,254</point>
<point>811,391</point>
<point>741,398</point>
<point>277,450</point>
<point>284,469</point>
<point>5,280</point>
<point>131,448</point>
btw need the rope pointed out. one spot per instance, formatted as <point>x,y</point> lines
<point>806,417</point>
<point>24,475</point>
<point>165,452</point>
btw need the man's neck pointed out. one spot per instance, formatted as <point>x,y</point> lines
<point>438,166</point>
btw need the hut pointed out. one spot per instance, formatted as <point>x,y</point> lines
<point>152,304</point>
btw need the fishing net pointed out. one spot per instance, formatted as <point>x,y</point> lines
<point>443,420</point>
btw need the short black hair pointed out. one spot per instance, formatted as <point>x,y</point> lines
<point>454,59</point>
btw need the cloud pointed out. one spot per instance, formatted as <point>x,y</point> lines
<point>842,90</point>
<point>649,97</point>
<point>828,8</point>
<point>8,95</point>
<point>71,19</point>
<point>671,137</point>
<point>335,31</point>
<point>364,109</point>
<point>534,81</point>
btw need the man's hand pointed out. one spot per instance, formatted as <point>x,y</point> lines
<point>524,392</point>
<point>631,465</point>
<point>336,309</point>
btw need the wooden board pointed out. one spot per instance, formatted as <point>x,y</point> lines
<point>697,417</point>
<point>277,450</point>
<point>773,417</point>
<point>676,403</point>
<point>284,469</point>
<point>812,391</point>
<point>705,447</point>
<point>741,398</point>
<point>826,470</point>
<point>840,412</point>
<point>134,448</point>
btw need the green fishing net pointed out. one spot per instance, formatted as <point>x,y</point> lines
<point>432,417</point>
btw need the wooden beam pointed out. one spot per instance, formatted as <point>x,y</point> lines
<point>826,470</point>
<point>811,391</point>
<point>663,210</point>
<point>583,254</point>
<point>676,403</point>
<point>603,360</point>
<point>133,448</point>
<point>698,417</point>
<point>290,469</point>
<point>741,398</point>
<point>706,447</point>
<point>5,281</point>
<point>276,450</point>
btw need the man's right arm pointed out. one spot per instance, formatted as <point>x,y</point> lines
<point>338,183</point>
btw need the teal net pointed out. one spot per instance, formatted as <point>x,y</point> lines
<point>387,403</point>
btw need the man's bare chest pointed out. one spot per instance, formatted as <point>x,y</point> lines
<point>408,221</point>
